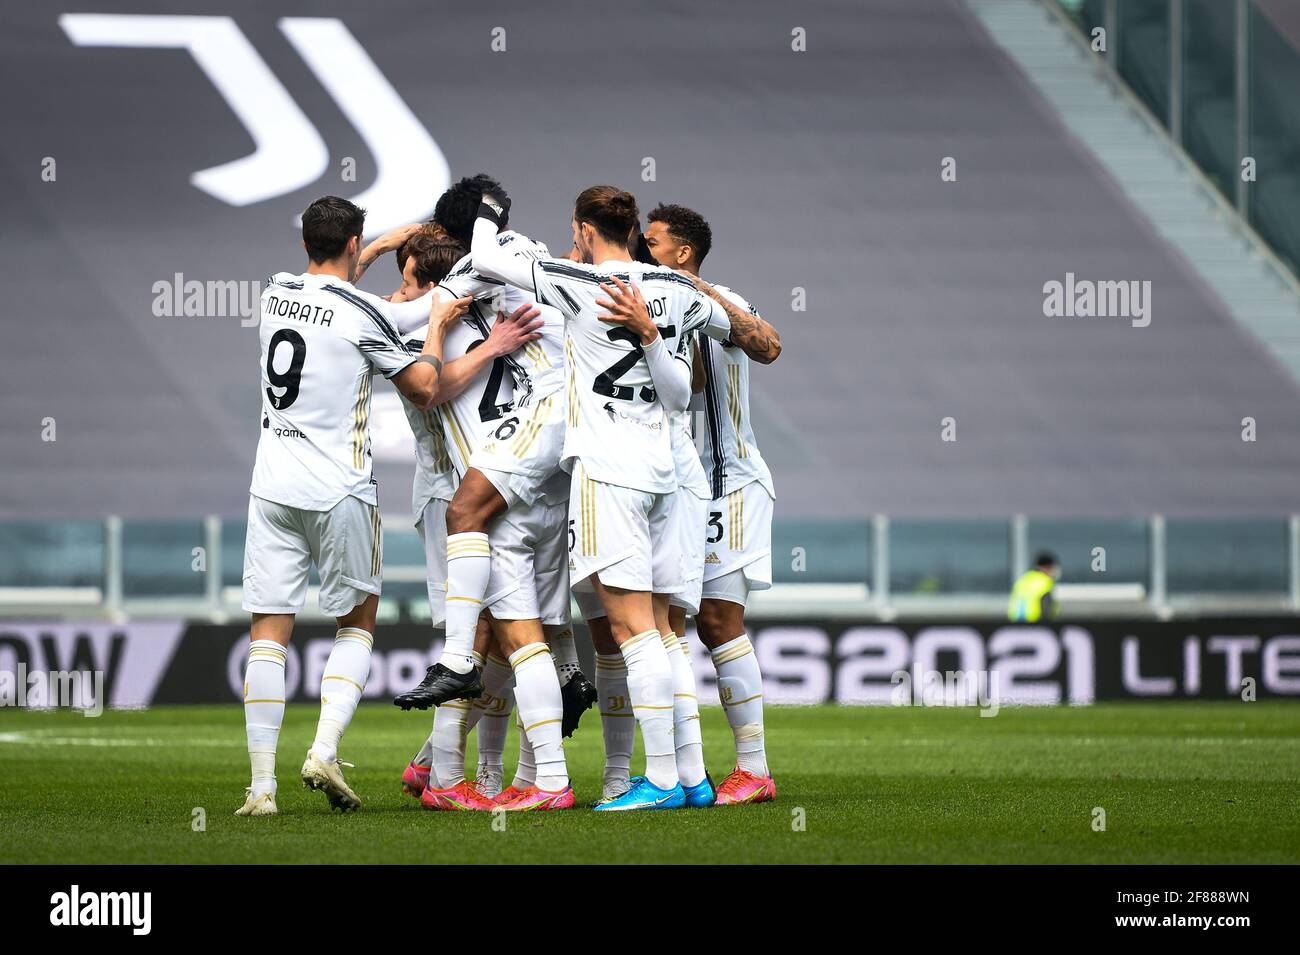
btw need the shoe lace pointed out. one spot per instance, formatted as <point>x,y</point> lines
<point>730,784</point>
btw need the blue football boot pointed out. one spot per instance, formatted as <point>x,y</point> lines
<point>645,795</point>
<point>701,795</point>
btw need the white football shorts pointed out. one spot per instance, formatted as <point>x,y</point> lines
<point>529,577</point>
<point>432,528</point>
<point>623,536</point>
<point>738,540</point>
<point>345,543</point>
<point>523,450</point>
<point>690,514</point>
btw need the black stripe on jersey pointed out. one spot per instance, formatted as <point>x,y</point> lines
<point>568,300</point>
<point>385,327</point>
<point>696,316</point>
<point>553,267</point>
<point>414,347</point>
<point>570,271</point>
<point>466,267</point>
<point>463,267</point>
<point>476,319</point>
<point>684,345</point>
<point>712,412</point>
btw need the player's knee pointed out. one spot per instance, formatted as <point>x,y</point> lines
<point>363,615</point>
<point>719,621</point>
<point>468,513</point>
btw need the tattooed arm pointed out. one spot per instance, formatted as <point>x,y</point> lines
<point>755,337</point>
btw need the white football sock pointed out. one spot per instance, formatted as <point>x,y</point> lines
<point>263,709</point>
<point>650,686</point>
<point>449,744</point>
<point>526,768</point>
<point>468,567</point>
<point>616,719</point>
<point>686,714</point>
<point>455,730</point>
<point>537,697</point>
<point>740,687</point>
<point>341,686</point>
<point>425,756</point>
<point>490,713</point>
<point>564,650</point>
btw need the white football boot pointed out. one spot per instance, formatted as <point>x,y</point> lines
<point>328,778</point>
<point>261,805</point>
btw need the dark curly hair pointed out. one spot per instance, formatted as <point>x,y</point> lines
<point>457,208</point>
<point>686,226</point>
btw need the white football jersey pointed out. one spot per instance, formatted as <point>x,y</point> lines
<point>537,367</point>
<point>617,426</point>
<point>435,479</point>
<point>321,339</point>
<point>731,454</point>
<point>686,457</point>
<point>482,408</point>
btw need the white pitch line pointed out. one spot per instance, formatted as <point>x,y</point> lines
<point>32,739</point>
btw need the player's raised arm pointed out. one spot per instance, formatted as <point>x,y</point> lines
<point>488,257</point>
<point>672,377</point>
<point>390,241</point>
<point>749,332</point>
<point>418,381</point>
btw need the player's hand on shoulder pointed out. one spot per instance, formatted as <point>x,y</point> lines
<point>626,306</point>
<point>445,311</point>
<point>512,331</point>
<point>699,283</point>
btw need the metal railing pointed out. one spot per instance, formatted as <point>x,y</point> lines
<point>1215,74</point>
<point>873,569</point>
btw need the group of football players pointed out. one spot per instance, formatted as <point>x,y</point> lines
<point>551,403</point>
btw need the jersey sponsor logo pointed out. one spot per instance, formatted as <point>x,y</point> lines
<point>289,152</point>
<point>615,414</point>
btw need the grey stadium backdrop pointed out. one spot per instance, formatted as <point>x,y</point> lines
<point>819,172</point>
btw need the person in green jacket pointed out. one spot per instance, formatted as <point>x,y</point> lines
<point>1031,595</point>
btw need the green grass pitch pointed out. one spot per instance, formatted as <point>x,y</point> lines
<point>1179,783</point>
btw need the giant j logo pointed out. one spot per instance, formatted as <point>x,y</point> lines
<point>290,152</point>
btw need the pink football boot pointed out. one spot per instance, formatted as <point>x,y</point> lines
<point>415,779</point>
<point>459,798</point>
<point>743,786</point>
<point>533,798</point>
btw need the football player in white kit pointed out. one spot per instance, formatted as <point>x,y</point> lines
<point>313,497</point>
<point>738,530</point>
<point>426,257</point>
<point>527,587</point>
<point>687,516</point>
<point>622,380</point>
<point>510,468</point>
